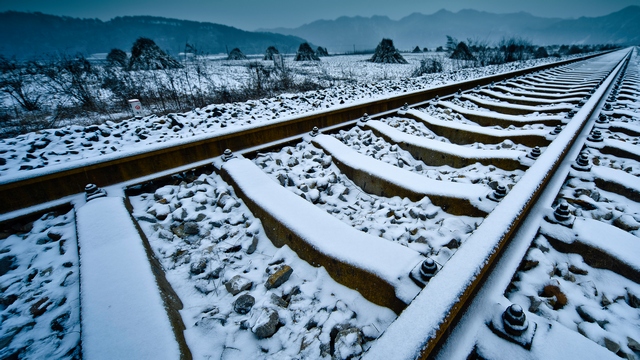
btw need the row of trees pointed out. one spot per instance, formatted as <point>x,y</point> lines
<point>46,92</point>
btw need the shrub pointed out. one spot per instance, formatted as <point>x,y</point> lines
<point>305,53</point>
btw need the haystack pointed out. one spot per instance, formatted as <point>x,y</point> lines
<point>386,53</point>
<point>305,53</point>
<point>146,55</point>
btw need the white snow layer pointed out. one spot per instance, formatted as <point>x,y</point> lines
<point>123,315</point>
<point>390,262</point>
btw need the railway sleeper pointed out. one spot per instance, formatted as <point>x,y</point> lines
<point>463,134</point>
<point>378,269</point>
<point>437,153</point>
<point>489,118</point>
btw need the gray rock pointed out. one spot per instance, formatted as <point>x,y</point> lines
<point>266,324</point>
<point>238,284</point>
<point>613,346</point>
<point>277,300</point>
<point>633,299</point>
<point>633,344</point>
<point>585,313</point>
<point>254,245</point>
<point>279,277</point>
<point>199,267</point>
<point>243,304</point>
<point>191,228</point>
<point>348,343</point>
<point>626,223</point>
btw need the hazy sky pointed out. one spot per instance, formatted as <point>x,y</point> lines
<point>254,14</point>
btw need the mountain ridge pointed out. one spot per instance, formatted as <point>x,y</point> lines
<point>621,27</point>
<point>27,35</point>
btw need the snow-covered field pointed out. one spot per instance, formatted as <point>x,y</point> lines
<point>73,143</point>
<point>245,298</point>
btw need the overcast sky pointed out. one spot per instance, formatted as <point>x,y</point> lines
<point>255,14</point>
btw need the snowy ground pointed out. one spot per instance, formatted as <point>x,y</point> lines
<point>40,289</point>
<point>210,244</point>
<point>363,81</point>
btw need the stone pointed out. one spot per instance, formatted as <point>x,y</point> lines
<point>605,301</point>
<point>243,304</point>
<point>611,345</point>
<point>529,264</point>
<point>633,299</point>
<point>277,300</point>
<point>585,314</point>
<point>237,284</point>
<point>348,343</point>
<point>7,264</point>
<point>254,245</point>
<point>633,344</point>
<point>558,298</point>
<point>266,324</point>
<point>626,223</point>
<point>191,228</point>
<point>279,277</point>
<point>199,267</point>
<point>576,270</point>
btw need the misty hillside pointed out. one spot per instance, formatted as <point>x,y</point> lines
<point>340,35</point>
<point>26,35</point>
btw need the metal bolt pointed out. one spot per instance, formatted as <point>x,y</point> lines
<point>570,114</point>
<point>227,155</point>
<point>583,159</point>
<point>583,101</point>
<point>314,132</point>
<point>405,107</point>
<point>535,152</point>
<point>428,269</point>
<point>595,136</point>
<point>500,192</point>
<point>602,119</point>
<point>365,117</point>
<point>92,191</point>
<point>458,93</point>
<point>557,130</point>
<point>514,320</point>
<point>607,106</point>
<point>592,91</point>
<point>492,85</point>
<point>562,212</point>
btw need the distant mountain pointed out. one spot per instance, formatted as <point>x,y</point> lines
<point>345,33</point>
<point>26,35</point>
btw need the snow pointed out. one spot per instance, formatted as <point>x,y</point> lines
<point>75,145</point>
<point>123,315</point>
<point>622,246</point>
<point>443,148</point>
<point>433,304</point>
<point>477,129</point>
<point>388,261</point>
<point>310,304</point>
<point>474,194</point>
<point>40,299</point>
<point>496,117</point>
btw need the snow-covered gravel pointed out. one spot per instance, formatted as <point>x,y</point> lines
<point>40,289</point>
<point>205,237</point>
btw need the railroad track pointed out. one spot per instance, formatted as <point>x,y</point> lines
<point>437,205</point>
